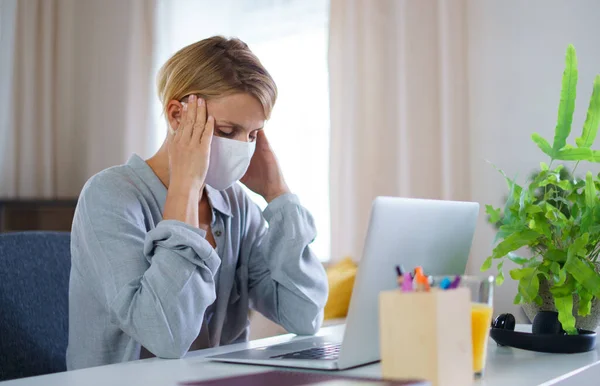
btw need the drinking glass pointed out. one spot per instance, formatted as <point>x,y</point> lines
<point>482,301</point>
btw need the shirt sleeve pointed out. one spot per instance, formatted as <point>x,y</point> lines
<point>287,283</point>
<point>156,285</point>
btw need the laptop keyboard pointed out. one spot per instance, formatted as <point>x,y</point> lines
<point>328,351</point>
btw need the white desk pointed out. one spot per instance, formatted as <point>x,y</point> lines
<point>505,367</point>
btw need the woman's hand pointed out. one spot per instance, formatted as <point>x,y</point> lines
<point>189,145</point>
<point>264,175</point>
<point>189,155</point>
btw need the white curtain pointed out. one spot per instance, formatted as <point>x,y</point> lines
<point>76,75</point>
<point>399,108</point>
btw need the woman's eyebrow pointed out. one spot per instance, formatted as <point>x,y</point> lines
<point>229,123</point>
<point>224,123</point>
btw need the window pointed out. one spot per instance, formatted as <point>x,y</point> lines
<point>290,38</point>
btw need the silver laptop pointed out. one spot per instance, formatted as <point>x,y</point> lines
<point>434,234</point>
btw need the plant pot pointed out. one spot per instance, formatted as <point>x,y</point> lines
<point>590,322</point>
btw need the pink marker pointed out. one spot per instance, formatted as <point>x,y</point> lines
<point>407,284</point>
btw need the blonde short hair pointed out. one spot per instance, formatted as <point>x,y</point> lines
<point>213,68</point>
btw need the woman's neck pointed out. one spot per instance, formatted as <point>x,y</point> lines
<point>159,163</point>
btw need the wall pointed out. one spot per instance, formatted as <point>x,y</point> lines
<point>516,59</point>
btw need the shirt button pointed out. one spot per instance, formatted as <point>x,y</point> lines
<point>218,233</point>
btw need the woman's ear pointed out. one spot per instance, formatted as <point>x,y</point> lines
<point>173,111</point>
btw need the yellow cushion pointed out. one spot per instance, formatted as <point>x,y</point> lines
<point>341,281</point>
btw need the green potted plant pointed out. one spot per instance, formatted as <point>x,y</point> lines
<point>557,219</point>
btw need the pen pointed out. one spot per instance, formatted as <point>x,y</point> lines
<point>421,280</point>
<point>455,282</point>
<point>399,276</point>
<point>445,283</point>
<point>407,284</point>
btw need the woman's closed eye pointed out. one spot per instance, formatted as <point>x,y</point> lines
<point>226,132</point>
<point>229,132</point>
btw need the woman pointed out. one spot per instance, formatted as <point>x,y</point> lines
<point>168,254</point>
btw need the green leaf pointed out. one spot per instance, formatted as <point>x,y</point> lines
<point>580,270</point>
<point>590,190</point>
<point>506,230</point>
<point>564,305</point>
<point>533,209</point>
<point>592,120</point>
<point>596,214</point>
<point>532,263</point>
<point>564,185</point>
<point>565,288</point>
<point>555,215</point>
<point>562,277</point>
<point>515,241</point>
<point>493,213</point>
<point>566,106</point>
<point>500,277</point>
<point>579,246</point>
<point>556,272</point>
<point>513,195</point>
<point>549,179</point>
<point>529,287</point>
<point>487,264</point>
<point>544,270</point>
<point>555,255</point>
<point>541,225</point>
<point>518,299</point>
<point>517,259</point>
<point>519,273</point>
<point>529,283</point>
<point>542,144</point>
<point>585,302</point>
<point>575,154</point>
<point>544,166</point>
<point>584,274</point>
<point>578,184</point>
<point>587,219</point>
<point>523,201</point>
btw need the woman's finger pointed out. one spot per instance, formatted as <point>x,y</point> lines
<point>261,140</point>
<point>200,121</point>
<point>182,119</point>
<point>188,126</point>
<point>207,135</point>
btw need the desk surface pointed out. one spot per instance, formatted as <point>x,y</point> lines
<point>505,366</point>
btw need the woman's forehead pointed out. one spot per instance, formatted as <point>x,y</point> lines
<point>239,109</point>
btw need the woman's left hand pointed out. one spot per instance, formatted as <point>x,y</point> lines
<point>264,175</point>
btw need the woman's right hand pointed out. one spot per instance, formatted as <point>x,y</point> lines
<point>189,146</point>
<point>189,155</point>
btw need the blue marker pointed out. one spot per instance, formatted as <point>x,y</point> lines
<point>445,283</point>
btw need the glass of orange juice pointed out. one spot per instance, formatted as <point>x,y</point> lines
<point>482,301</point>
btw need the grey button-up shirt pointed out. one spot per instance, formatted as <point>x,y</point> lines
<point>138,280</point>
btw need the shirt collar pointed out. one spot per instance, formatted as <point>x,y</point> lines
<point>216,198</point>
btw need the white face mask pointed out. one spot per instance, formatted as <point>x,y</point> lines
<point>229,160</point>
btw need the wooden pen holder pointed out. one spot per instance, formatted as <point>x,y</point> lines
<point>427,335</point>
